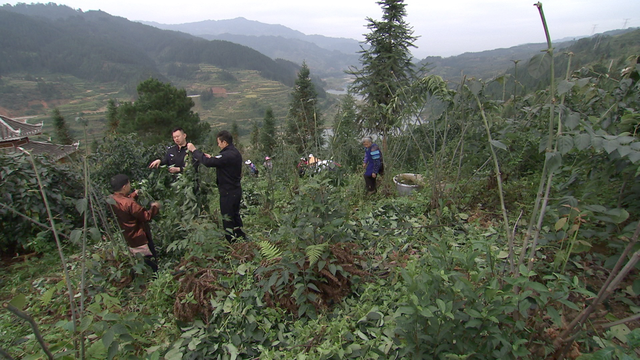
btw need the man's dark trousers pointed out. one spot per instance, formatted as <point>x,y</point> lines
<point>230,211</point>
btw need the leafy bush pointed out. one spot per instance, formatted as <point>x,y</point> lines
<point>22,206</point>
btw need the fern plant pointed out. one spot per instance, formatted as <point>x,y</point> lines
<point>269,250</point>
<point>314,252</point>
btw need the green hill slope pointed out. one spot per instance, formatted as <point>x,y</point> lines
<point>99,47</point>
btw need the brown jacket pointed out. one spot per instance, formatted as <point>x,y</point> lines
<point>133,219</point>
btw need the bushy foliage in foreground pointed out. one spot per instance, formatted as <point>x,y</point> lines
<point>336,276</point>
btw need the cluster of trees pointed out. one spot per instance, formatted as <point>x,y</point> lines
<point>387,70</point>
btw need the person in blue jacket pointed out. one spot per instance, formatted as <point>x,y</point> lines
<point>372,164</point>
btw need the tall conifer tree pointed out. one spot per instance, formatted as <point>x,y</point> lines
<point>255,135</point>
<point>345,142</point>
<point>387,68</point>
<point>112,116</point>
<point>304,121</point>
<point>60,128</point>
<point>268,133</point>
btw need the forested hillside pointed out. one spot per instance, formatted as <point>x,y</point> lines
<point>96,46</point>
<point>491,64</point>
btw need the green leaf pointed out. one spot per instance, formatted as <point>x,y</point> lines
<point>597,142</point>
<point>633,338</point>
<point>113,350</point>
<point>618,215</point>
<point>19,301</point>
<point>539,64</point>
<point>580,246</point>
<point>572,121</point>
<point>564,86</point>
<point>107,338</point>
<point>525,272</point>
<point>560,223</point>
<point>76,236</point>
<point>624,150</point>
<point>474,313</point>
<point>475,87</point>
<point>620,332</point>
<point>405,310</point>
<point>536,286</point>
<point>119,329</point>
<point>81,205</point>
<point>636,287</point>
<point>498,144</point>
<point>565,144</point>
<point>568,304</point>
<point>110,317</point>
<point>473,323</point>
<point>554,315</point>
<point>610,146</point>
<point>634,156</point>
<point>242,269</point>
<point>582,141</point>
<point>554,160</point>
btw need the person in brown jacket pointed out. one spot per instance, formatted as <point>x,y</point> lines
<point>134,219</point>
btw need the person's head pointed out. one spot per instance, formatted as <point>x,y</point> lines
<point>367,141</point>
<point>120,184</point>
<point>179,137</point>
<point>224,139</point>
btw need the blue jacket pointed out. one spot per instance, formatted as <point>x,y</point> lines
<point>373,159</point>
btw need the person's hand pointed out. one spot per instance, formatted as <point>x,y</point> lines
<point>191,147</point>
<point>135,193</point>
<point>156,204</point>
<point>374,175</point>
<point>155,163</point>
<point>174,169</point>
<point>364,166</point>
<point>207,156</point>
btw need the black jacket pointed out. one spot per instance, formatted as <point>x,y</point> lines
<point>228,165</point>
<point>175,157</point>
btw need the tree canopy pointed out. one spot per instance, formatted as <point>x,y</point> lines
<point>159,109</point>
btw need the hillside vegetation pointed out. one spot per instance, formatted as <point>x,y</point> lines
<point>518,236</point>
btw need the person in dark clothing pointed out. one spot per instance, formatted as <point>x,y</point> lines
<point>176,154</point>
<point>372,164</point>
<point>228,166</point>
<point>134,219</point>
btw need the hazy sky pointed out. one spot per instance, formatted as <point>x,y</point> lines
<point>445,27</point>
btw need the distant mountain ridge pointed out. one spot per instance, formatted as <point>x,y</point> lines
<point>325,56</point>
<point>242,26</point>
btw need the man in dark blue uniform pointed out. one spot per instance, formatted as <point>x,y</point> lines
<point>175,156</point>
<point>228,166</point>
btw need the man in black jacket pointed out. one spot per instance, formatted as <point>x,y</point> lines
<point>228,166</point>
<point>175,155</point>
